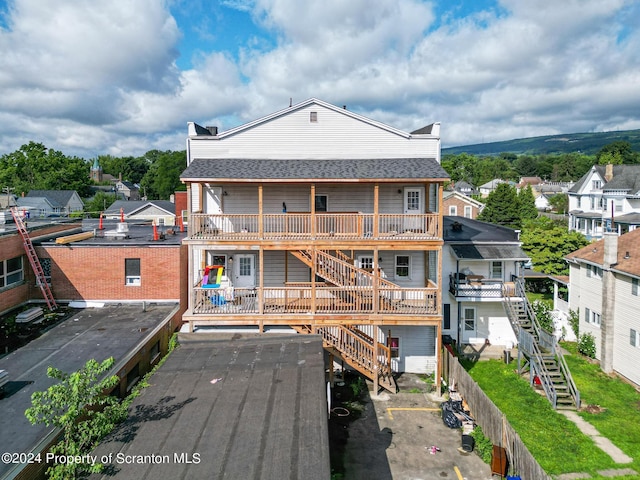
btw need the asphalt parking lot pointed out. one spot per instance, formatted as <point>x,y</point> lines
<point>393,436</point>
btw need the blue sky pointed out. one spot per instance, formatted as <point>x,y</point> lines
<point>122,77</point>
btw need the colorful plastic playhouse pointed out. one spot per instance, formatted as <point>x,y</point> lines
<point>212,278</point>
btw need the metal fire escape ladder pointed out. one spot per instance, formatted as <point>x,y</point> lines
<point>41,280</point>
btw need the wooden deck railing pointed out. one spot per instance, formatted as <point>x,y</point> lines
<point>299,299</point>
<point>299,226</point>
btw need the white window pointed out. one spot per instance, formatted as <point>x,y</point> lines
<point>595,319</point>
<point>403,266</point>
<point>313,117</point>
<point>365,262</point>
<point>587,315</point>
<point>593,203</point>
<point>469,319</point>
<point>132,271</point>
<point>633,338</point>
<point>453,210</point>
<point>596,184</point>
<point>634,286</point>
<point>496,270</point>
<point>11,271</point>
<point>467,211</point>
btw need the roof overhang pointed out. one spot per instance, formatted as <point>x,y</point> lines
<point>488,252</point>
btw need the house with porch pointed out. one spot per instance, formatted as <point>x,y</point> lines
<point>606,198</point>
<point>480,261</point>
<point>325,221</point>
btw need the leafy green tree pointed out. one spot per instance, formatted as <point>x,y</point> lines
<point>132,169</point>
<point>527,201</point>
<point>547,242</point>
<point>81,408</point>
<point>34,167</point>
<point>618,151</point>
<point>99,203</point>
<point>559,202</point>
<point>163,177</point>
<point>502,207</point>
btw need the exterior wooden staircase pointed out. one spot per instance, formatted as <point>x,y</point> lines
<point>541,352</point>
<point>358,350</point>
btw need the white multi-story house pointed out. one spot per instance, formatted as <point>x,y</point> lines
<point>320,219</point>
<point>604,289</point>
<point>606,198</point>
<point>481,261</point>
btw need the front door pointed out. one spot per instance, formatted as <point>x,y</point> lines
<point>244,271</point>
<point>414,206</point>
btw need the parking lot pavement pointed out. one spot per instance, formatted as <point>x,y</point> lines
<point>392,440</point>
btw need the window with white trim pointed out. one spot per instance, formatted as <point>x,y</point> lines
<point>634,286</point>
<point>453,210</point>
<point>495,270</point>
<point>634,341</point>
<point>313,117</point>
<point>132,271</point>
<point>596,184</point>
<point>403,266</point>
<point>11,271</point>
<point>469,318</point>
<point>467,211</point>
<point>587,315</point>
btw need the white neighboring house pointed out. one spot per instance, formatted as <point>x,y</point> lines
<point>486,188</point>
<point>604,289</point>
<point>161,212</point>
<point>479,260</point>
<point>606,197</point>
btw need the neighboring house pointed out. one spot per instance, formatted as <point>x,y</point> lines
<point>486,188</point>
<point>127,190</point>
<point>606,198</point>
<point>542,202</point>
<point>38,207</point>
<point>325,221</point>
<point>528,181</point>
<point>461,205</point>
<point>65,202</point>
<point>479,261</point>
<point>161,212</point>
<point>605,289</point>
<point>465,188</point>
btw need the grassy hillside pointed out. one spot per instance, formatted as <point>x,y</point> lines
<point>586,143</point>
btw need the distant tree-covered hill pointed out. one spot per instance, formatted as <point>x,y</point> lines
<point>585,143</point>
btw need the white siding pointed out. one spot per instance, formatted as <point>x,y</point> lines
<point>626,358</point>
<point>335,135</point>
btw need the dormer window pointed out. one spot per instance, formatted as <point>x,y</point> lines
<point>313,117</point>
<point>596,184</point>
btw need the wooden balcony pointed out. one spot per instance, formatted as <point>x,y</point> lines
<point>476,287</point>
<point>306,299</point>
<point>301,226</point>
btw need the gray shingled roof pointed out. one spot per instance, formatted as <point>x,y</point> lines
<point>56,197</point>
<point>470,230</point>
<point>488,252</point>
<point>234,169</point>
<point>130,206</point>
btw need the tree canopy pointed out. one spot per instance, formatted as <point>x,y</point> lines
<point>527,203</point>
<point>34,167</point>
<point>502,207</point>
<point>547,242</point>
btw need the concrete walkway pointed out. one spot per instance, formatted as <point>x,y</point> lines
<point>604,443</point>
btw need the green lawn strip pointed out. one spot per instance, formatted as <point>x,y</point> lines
<point>620,421</point>
<point>554,441</point>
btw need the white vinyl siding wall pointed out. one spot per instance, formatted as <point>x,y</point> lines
<point>626,358</point>
<point>331,137</point>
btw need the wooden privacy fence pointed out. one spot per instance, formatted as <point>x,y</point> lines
<point>493,422</point>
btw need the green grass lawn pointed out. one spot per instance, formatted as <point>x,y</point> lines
<point>552,439</point>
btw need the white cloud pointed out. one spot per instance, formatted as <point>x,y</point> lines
<point>101,77</point>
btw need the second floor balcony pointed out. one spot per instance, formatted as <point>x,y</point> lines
<point>478,287</point>
<point>300,226</point>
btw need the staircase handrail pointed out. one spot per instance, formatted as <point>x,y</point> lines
<point>539,366</point>
<point>548,340</point>
<point>322,255</point>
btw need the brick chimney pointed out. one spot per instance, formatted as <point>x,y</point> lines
<point>608,172</point>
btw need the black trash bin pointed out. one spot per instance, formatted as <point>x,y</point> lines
<point>468,443</point>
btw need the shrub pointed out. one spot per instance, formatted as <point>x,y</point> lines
<point>543,315</point>
<point>484,446</point>
<point>574,321</point>
<point>587,345</point>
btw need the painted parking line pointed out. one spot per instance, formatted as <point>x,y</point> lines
<point>457,470</point>
<point>423,409</point>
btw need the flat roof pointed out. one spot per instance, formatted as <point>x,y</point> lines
<point>241,406</point>
<point>90,333</point>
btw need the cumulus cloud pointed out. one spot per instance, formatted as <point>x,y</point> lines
<point>101,77</point>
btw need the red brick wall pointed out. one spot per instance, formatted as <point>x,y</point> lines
<point>460,207</point>
<point>181,203</point>
<point>11,246</point>
<point>98,272</point>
